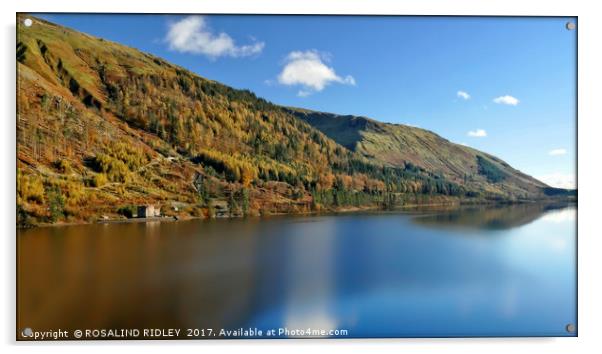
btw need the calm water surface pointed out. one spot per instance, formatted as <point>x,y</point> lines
<point>473,272</point>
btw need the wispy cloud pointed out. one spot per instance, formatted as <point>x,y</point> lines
<point>463,95</point>
<point>557,152</point>
<point>477,133</point>
<point>304,93</point>
<point>507,99</point>
<point>559,180</point>
<point>193,35</point>
<point>308,70</point>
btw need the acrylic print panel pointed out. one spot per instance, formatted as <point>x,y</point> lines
<point>224,176</point>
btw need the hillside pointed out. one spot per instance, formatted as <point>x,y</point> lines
<point>400,145</point>
<point>102,128</point>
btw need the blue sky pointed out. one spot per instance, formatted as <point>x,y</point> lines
<point>502,85</point>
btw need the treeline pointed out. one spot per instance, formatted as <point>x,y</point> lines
<point>559,192</point>
<point>245,139</point>
<point>117,163</point>
<point>112,128</point>
<point>490,170</point>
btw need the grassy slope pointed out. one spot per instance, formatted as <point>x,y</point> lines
<point>398,144</point>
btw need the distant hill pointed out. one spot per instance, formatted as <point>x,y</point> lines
<point>400,145</point>
<point>103,128</point>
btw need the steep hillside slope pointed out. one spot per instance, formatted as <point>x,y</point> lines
<point>102,128</point>
<point>400,145</point>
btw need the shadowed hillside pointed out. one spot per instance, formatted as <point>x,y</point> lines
<point>401,145</point>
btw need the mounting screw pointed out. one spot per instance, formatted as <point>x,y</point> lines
<point>570,328</point>
<point>27,332</point>
<point>570,26</point>
<point>28,22</point>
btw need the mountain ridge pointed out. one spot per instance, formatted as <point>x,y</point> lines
<point>393,144</point>
<point>102,128</point>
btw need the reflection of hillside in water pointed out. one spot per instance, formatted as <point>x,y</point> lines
<point>366,273</point>
<point>156,275</point>
<point>500,217</point>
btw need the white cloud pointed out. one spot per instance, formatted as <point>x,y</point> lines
<point>557,152</point>
<point>308,70</point>
<point>478,133</point>
<point>304,93</point>
<point>192,35</point>
<point>558,180</point>
<point>463,95</point>
<point>507,99</point>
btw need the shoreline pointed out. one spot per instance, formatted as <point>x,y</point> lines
<point>342,210</point>
<point>136,220</point>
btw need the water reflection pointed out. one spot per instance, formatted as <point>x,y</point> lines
<point>375,275</point>
<point>489,217</point>
<point>311,280</point>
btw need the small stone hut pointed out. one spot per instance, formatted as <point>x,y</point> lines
<point>148,211</point>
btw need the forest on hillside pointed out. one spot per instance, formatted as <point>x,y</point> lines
<point>103,128</point>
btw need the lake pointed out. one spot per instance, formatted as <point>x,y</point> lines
<point>475,271</point>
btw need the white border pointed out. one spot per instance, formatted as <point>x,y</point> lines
<point>589,181</point>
